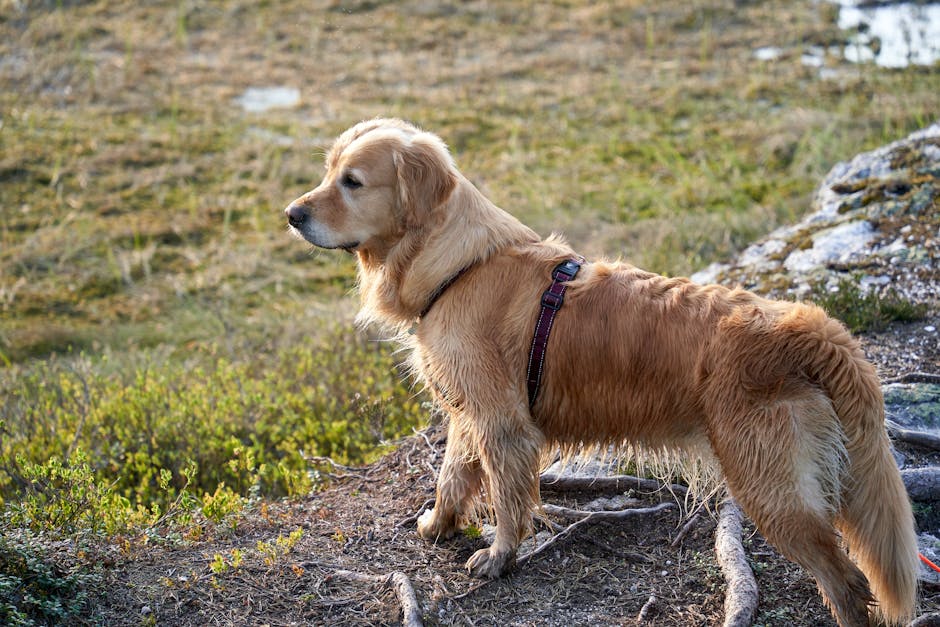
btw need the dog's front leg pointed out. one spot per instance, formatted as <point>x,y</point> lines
<point>509,454</point>
<point>458,484</point>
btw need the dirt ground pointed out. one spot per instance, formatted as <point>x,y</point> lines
<point>365,522</point>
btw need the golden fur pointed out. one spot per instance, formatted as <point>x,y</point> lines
<point>778,392</point>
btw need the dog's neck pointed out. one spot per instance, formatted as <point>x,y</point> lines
<point>467,230</point>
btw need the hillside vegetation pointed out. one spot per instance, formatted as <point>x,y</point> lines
<point>170,358</point>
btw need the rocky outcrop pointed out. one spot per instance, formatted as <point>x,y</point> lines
<point>875,218</point>
<point>876,223</point>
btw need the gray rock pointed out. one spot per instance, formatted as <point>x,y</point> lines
<point>875,219</point>
<point>914,405</point>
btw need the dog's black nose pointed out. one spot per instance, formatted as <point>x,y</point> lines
<point>296,214</point>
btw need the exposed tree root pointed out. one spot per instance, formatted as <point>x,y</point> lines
<point>585,518</point>
<point>912,436</point>
<point>617,483</point>
<point>399,582</point>
<point>741,596</point>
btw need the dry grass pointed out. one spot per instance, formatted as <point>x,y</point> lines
<point>140,203</point>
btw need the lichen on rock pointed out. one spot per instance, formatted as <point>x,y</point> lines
<point>875,217</point>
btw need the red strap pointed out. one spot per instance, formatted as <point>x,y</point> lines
<point>928,562</point>
<point>552,300</point>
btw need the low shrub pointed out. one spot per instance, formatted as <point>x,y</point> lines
<point>250,426</point>
<point>38,586</point>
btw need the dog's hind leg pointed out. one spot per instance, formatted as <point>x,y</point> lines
<point>458,485</point>
<point>785,461</point>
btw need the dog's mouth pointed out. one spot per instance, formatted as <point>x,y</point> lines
<point>349,247</point>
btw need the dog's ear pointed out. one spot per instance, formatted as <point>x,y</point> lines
<point>426,176</point>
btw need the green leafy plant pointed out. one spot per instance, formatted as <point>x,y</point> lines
<point>67,497</point>
<point>223,504</point>
<point>248,426</point>
<point>37,587</point>
<point>275,550</point>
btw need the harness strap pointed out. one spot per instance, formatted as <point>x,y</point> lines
<point>552,300</point>
<point>443,288</point>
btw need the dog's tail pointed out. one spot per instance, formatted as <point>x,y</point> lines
<point>875,515</point>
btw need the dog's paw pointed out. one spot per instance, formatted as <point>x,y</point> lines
<point>431,527</point>
<point>490,564</point>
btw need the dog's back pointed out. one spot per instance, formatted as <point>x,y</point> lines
<point>783,395</point>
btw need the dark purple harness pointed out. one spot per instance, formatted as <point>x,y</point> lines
<point>552,300</point>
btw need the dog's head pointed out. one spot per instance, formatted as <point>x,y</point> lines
<point>384,178</point>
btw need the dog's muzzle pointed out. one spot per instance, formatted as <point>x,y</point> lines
<point>299,220</point>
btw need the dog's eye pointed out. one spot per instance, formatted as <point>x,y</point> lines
<point>351,182</point>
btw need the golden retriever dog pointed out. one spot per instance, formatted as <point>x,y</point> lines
<point>777,392</point>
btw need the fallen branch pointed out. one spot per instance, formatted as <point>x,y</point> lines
<point>617,483</point>
<point>741,595</point>
<point>922,484</point>
<point>399,582</point>
<point>911,436</point>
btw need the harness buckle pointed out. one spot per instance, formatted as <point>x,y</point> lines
<point>552,300</point>
<point>566,270</point>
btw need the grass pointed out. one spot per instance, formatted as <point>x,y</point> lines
<point>871,310</point>
<point>135,192</point>
<point>153,311</point>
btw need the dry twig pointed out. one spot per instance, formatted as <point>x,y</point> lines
<point>414,517</point>
<point>916,377</point>
<point>741,596</point>
<point>927,620</point>
<point>686,527</point>
<point>349,471</point>
<point>585,519</point>
<point>647,610</point>
<point>399,582</point>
